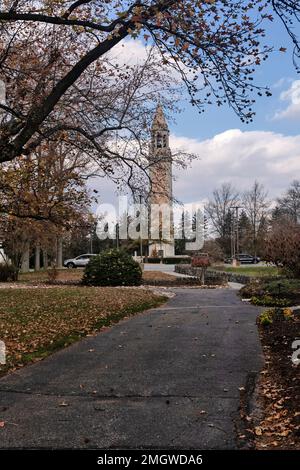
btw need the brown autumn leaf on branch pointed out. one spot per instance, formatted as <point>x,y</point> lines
<point>50,48</point>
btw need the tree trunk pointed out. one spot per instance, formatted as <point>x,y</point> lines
<point>45,259</point>
<point>37,261</point>
<point>202,276</point>
<point>25,259</point>
<point>59,253</point>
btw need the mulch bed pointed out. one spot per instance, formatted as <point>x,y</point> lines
<point>279,387</point>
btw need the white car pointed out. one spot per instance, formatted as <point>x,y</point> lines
<point>78,262</point>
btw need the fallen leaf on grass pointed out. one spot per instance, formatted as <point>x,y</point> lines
<point>2,424</point>
<point>59,316</point>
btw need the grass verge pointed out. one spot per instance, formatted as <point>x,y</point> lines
<point>252,271</point>
<point>69,275</point>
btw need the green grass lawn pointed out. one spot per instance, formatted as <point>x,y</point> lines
<point>253,271</point>
<point>34,322</point>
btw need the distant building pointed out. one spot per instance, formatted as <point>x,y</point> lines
<point>3,258</point>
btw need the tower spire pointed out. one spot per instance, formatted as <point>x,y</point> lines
<point>159,121</point>
<point>159,132</point>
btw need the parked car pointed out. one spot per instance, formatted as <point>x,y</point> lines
<point>244,258</point>
<point>78,262</point>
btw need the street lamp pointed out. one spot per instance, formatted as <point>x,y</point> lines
<point>117,236</point>
<point>141,240</point>
<point>236,241</point>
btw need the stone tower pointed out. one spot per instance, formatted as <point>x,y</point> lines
<point>160,160</point>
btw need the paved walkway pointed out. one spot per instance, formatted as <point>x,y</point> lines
<point>167,378</point>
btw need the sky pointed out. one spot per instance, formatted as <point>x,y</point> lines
<point>267,150</point>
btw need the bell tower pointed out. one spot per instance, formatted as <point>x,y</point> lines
<point>160,160</point>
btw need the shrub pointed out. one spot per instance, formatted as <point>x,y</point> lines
<point>7,273</point>
<point>254,288</point>
<point>266,317</point>
<point>269,301</point>
<point>177,260</point>
<point>288,314</point>
<point>153,260</point>
<point>284,287</point>
<point>112,268</point>
<point>214,251</point>
<point>275,315</point>
<point>283,247</point>
<point>154,253</point>
<point>52,273</point>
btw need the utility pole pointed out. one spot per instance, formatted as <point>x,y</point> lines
<point>237,231</point>
<point>141,240</point>
<point>91,242</point>
<point>232,238</point>
<point>117,236</point>
<point>236,242</point>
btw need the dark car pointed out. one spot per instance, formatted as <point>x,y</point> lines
<point>244,258</point>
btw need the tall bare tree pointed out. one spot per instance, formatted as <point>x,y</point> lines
<point>220,212</point>
<point>289,204</point>
<point>256,207</point>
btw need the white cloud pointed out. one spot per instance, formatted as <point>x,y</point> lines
<point>238,157</point>
<point>282,82</point>
<point>135,52</point>
<point>130,51</point>
<point>232,156</point>
<point>292,97</point>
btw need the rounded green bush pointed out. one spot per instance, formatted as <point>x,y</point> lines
<point>266,317</point>
<point>112,268</point>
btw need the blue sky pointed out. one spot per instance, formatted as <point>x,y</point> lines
<point>229,151</point>
<point>278,71</point>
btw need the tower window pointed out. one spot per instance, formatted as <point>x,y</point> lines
<point>159,141</point>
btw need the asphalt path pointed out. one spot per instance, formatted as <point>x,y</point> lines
<point>166,378</point>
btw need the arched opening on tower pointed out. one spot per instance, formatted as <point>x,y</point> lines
<point>161,141</point>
